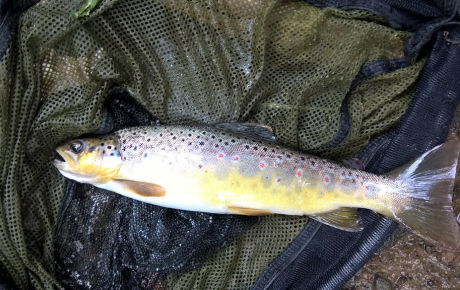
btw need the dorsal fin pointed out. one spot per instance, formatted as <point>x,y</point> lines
<point>345,218</point>
<point>355,163</point>
<point>251,129</point>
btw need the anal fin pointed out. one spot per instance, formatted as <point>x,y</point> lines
<point>142,188</point>
<point>247,211</point>
<point>345,218</point>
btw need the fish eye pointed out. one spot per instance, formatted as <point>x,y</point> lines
<point>76,146</point>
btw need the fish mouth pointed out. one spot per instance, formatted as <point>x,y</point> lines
<point>61,162</point>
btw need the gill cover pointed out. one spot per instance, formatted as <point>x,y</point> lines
<point>90,160</point>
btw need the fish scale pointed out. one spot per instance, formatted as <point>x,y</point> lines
<point>235,168</point>
<point>269,176</point>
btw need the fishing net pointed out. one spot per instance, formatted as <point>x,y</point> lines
<point>285,64</point>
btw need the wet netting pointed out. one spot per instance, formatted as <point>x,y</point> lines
<point>302,69</point>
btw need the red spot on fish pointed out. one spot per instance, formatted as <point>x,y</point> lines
<point>278,179</point>
<point>262,165</point>
<point>326,179</point>
<point>299,173</point>
<point>220,155</point>
<point>236,158</point>
<point>367,187</point>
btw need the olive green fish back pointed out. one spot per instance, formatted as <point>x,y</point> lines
<point>284,64</point>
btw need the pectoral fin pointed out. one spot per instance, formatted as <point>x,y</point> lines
<point>346,219</point>
<point>247,211</point>
<point>142,188</point>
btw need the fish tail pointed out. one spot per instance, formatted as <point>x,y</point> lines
<point>427,184</point>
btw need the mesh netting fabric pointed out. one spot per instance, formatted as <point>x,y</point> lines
<point>284,64</point>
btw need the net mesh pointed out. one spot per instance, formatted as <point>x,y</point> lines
<point>284,64</point>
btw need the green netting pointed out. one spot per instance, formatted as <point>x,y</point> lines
<point>284,64</point>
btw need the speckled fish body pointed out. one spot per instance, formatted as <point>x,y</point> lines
<point>213,170</point>
<point>226,169</point>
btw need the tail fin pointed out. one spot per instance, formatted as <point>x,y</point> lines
<point>428,182</point>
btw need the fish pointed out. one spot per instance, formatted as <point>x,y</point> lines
<point>240,168</point>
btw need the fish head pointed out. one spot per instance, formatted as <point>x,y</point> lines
<point>90,160</point>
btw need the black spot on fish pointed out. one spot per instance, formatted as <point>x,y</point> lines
<point>223,133</point>
<point>183,140</point>
<point>265,149</point>
<point>190,135</point>
<point>145,155</point>
<point>226,143</point>
<point>109,147</point>
<point>92,148</point>
<point>247,146</point>
<point>288,156</point>
<point>302,158</point>
<point>198,136</point>
<point>220,140</point>
<point>217,145</point>
<point>233,140</point>
<point>201,143</point>
<point>161,135</point>
<point>313,163</point>
<point>256,148</point>
<point>103,151</point>
<point>135,148</point>
<point>148,140</point>
<point>102,144</point>
<point>174,138</point>
<point>134,133</point>
<point>204,133</point>
<point>171,134</point>
<point>213,137</point>
<point>111,154</point>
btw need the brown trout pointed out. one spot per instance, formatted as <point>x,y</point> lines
<point>236,168</point>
